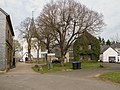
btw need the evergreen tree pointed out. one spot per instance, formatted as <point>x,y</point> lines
<point>100,40</point>
<point>108,42</point>
<point>103,41</point>
<point>113,42</point>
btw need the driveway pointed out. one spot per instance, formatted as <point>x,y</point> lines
<point>23,78</point>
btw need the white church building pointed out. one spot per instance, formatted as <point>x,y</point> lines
<point>34,51</point>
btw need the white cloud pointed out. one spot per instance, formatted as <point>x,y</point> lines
<point>20,9</point>
<point>111,12</point>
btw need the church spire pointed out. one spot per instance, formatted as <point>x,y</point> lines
<point>32,24</point>
<point>32,14</point>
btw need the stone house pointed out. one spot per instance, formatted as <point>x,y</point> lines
<point>86,47</point>
<point>6,41</point>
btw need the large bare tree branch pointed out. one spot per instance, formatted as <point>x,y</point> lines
<point>67,19</point>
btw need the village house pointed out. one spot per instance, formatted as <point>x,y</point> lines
<point>6,41</point>
<point>86,47</point>
<point>110,53</point>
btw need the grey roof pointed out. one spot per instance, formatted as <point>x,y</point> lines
<point>105,47</point>
<point>8,19</point>
<point>116,45</point>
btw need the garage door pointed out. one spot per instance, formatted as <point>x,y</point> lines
<point>112,59</point>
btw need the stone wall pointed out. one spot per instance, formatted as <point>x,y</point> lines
<point>2,41</point>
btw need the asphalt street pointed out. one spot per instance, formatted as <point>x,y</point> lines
<point>23,78</point>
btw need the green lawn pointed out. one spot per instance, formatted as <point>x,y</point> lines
<point>111,76</point>
<point>67,67</point>
<point>55,68</point>
<point>90,65</point>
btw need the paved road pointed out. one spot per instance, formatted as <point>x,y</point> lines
<point>23,78</point>
<point>91,73</point>
<point>22,68</point>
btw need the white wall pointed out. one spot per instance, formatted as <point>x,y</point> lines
<point>109,53</point>
<point>24,49</point>
<point>33,51</point>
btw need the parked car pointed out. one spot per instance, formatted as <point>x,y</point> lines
<point>20,60</point>
<point>111,61</point>
<point>56,61</point>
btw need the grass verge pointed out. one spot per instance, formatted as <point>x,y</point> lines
<point>111,76</point>
<point>67,67</point>
<point>55,68</point>
<point>89,65</point>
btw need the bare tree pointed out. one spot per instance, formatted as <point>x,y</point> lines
<point>17,46</point>
<point>67,19</point>
<point>36,44</point>
<point>26,30</point>
<point>115,38</point>
<point>44,35</point>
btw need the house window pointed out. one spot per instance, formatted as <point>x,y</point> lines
<point>81,57</point>
<point>81,47</point>
<point>89,57</point>
<point>89,46</point>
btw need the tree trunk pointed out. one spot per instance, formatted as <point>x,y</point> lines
<point>62,59</point>
<point>29,54</point>
<point>37,56</point>
<point>48,46</point>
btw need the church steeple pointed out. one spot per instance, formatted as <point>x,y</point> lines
<point>32,14</point>
<point>32,25</point>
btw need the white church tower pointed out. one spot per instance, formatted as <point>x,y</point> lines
<point>34,52</point>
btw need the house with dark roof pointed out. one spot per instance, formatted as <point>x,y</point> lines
<point>6,41</point>
<point>110,53</point>
<point>86,47</point>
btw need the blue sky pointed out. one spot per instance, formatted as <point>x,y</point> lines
<point>20,9</point>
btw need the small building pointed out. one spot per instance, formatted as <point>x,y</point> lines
<point>86,47</point>
<point>110,53</point>
<point>6,41</point>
